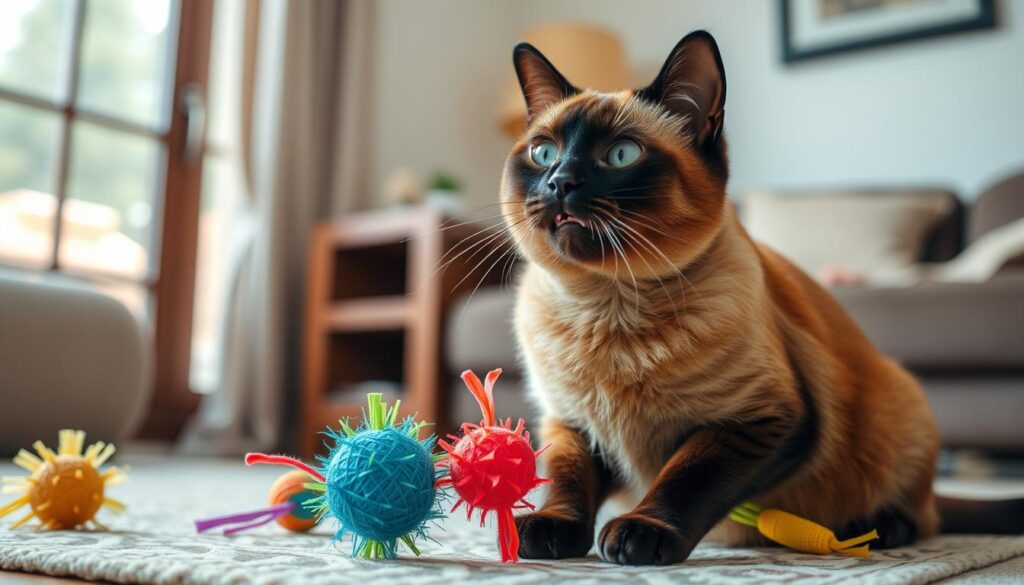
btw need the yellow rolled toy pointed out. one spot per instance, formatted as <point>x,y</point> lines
<point>799,533</point>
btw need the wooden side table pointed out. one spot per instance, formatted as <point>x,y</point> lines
<point>375,310</point>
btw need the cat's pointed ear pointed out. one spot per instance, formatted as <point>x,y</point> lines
<point>692,83</point>
<point>541,83</point>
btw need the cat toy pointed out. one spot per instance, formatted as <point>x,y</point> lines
<point>378,481</point>
<point>799,533</point>
<point>66,488</point>
<point>492,466</point>
<point>287,496</point>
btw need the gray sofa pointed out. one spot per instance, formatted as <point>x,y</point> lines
<point>964,341</point>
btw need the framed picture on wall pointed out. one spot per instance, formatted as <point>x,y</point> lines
<point>814,28</point>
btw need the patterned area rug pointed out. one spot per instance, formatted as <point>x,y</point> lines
<point>154,542</point>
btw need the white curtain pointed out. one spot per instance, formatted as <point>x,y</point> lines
<point>305,104</point>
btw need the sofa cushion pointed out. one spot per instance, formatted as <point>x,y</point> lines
<point>995,210</point>
<point>867,231</point>
<point>480,335</point>
<point>945,326</point>
<point>998,249</point>
<point>999,205</point>
<point>946,238</point>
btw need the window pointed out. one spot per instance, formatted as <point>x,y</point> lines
<point>96,178</point>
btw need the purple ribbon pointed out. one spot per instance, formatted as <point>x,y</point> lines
<point>255,518</point>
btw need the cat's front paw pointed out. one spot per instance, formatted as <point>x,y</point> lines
<point>639,539</point>
<point>548,534</point>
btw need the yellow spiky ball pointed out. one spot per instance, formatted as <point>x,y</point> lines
<point>66,488</point>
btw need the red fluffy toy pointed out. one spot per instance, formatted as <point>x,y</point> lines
<point>492,466</point>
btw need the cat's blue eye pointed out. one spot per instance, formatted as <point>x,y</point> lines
<point>544,153</point>
<point>622,154</point>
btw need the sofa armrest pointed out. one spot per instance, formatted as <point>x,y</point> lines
<point>479,332</point>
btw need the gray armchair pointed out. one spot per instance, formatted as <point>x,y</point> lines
<point>69,358</point>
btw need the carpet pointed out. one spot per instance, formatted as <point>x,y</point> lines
<point>154,542</point>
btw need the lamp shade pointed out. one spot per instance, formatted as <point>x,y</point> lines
<point>588,56</point>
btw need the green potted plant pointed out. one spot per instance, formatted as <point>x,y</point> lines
<point>443,192</point>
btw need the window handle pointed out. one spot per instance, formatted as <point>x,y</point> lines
<point>193,107</point>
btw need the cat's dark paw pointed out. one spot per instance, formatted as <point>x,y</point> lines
<point>548,534</point>
<point>638,539</point>
<point>895,528</point>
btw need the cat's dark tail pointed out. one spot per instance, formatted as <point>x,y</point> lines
<point>980,516</point>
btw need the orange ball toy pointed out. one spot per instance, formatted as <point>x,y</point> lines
<point>288,488</point>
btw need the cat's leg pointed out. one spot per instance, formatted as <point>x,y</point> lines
<point>564,526</point>
<point>899,524</point>
<point>714,469</point>
<point>895,528</point>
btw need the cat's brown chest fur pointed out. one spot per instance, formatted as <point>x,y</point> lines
<point>635,380</point>
<point>606,386</point>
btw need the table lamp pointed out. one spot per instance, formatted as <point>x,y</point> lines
<point>587,55</point>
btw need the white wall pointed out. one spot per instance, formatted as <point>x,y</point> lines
<point>947,111</point>
<point>440,70</point>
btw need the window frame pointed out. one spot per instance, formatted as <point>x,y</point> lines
<point>170,276</point>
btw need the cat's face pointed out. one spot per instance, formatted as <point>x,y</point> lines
<point>616,182</point>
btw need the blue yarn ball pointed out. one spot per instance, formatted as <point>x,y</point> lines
<point>380,484</point>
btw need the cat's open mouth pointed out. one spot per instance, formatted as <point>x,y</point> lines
<point>572,236</point>
<point>564,218</point>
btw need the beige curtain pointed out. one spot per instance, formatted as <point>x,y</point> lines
<point>306,110</point>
